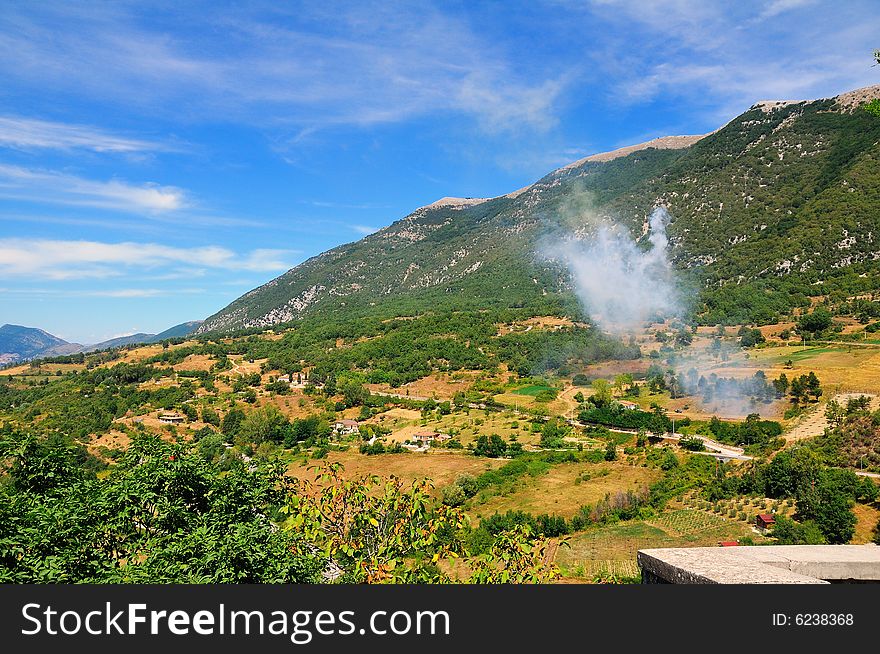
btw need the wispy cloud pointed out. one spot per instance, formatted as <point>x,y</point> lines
<point>61,188</point>
<point>120,293</point>
<point>780,6</point>
<point>311,67</point>
<point>68,260</point>
<point>722,58</point>
<point>29,133</point>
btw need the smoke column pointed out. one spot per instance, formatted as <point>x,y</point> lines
<point>620,285</point>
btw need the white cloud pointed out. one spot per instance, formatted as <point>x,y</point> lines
<point>779,6</point>
<point>61,188</point>
<point>66,260</point>
<point>29,133</point>
<point>309,67</point>
<point>122,293</point>
<point>716,60</point>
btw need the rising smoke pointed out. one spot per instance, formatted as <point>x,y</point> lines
<point>623,287</point>
<point>618,283</point>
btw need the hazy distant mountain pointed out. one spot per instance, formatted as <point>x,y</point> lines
<point>779,205</point>
<point>19,343</point>
<point>178,331</point>
<point>119,341</point>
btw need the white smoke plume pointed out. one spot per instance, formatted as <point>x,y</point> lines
<point>620,285</point>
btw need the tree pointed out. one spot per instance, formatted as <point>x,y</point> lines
<point>834,413</point>
<point>622,382</point>
<point>190,412</point>
<point>492,446</point>
<point>828,501</point>
<point>210,416</point>
<point>780,385</point>
<point>798,390</point>
<point>669,461</point>
<point>789,532</point>
<point>813,387</point>
<point>266,423</point>
<point>750,337</point>
<point>553,432</point>
<point>602,395</point>
<point>166,514</point>
<point>813,323</point>
<point>379,531</point>
<point>354,394</point>
<point>611,451</point>
<point>232,422</point>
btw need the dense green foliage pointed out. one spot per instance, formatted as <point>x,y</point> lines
<point>163,515</point>
<point>166,514</point>
<point>853,439</point>
<point>824,496</point>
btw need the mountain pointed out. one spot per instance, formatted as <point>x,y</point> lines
<point>779,205</point>
<point>119,341</point>
<point>178,331</point>
<point>19,343</point>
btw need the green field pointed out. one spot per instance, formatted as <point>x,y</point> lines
<point>535,389</point>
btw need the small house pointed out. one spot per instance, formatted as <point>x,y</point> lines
<point>345,427</point>
<point>765,521</point>
<point>629,406</point>
<point>171,418</point>
<point>425,437</point>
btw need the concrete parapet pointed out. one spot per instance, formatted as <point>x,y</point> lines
<point>775,564</point>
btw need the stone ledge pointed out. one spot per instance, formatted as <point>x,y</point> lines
<point>775,564</point>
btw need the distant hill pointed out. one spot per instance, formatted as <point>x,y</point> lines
<point>119,341</point>
<point>178,331</point>
<point>779,205</point>
<point>18,343</point>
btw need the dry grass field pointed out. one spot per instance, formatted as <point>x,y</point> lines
<point>440,467</point>
<point>295,405</point>
<point>613,548</point>
<point>559,492</point>
<point>868,518</point>
<point>44,369</point>
<point>440,386</point>
<point>196,362</point>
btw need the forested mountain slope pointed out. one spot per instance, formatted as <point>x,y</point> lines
<point>781,203</point>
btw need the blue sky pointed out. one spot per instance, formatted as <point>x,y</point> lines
<point>157,160</point>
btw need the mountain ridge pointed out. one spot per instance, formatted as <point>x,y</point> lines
<point>19,343</point>
<point>755,205</point>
